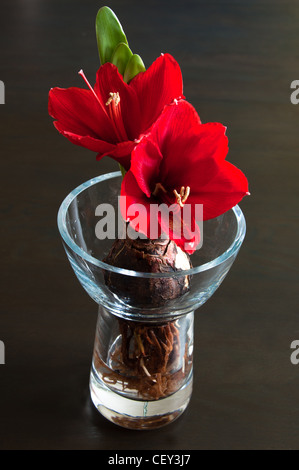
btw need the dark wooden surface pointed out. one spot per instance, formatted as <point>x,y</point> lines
<point>238,60</point>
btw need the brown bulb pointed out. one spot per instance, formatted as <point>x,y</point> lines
<point>149,256</point>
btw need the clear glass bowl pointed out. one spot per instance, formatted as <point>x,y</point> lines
<point>129,384</point>
<point>222,239</point>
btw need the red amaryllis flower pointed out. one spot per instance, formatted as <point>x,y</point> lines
<point>109,117</point>
<point>181,163</point>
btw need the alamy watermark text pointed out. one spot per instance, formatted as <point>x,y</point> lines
<point>183,223</point>
<point>2,353</point>
<point>295,354</point>
<point>2,92</point>
<point>295,93</point>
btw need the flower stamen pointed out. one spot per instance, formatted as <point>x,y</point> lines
<point>114,109</point>
<point>92,90</point>
<point>113,97</point>
<point>159,187</point>
<point>183,196</point>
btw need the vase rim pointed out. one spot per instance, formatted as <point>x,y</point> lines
<point>67,239</point>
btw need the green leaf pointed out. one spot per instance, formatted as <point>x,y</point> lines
<point>109,33</point>
<point>121,57</point>
<point>133,68</point>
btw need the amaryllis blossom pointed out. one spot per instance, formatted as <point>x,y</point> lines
<point>181,163</point>
<point>108,118</point>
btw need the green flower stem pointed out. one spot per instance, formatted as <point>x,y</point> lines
<point>123,171</point>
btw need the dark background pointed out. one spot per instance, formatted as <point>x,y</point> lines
<point>238,59</point>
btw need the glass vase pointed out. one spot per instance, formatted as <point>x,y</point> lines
<point>141,374</point>
<point>142,365</point>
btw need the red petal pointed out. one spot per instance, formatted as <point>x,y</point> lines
<point>177,119</point>
<point>194,159</point>
<point>145,165</point>
<point>175,132</point>
<point>222,192</point>
<point>78,112</point>
<point>158,86</point>
<point>91,143</point>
